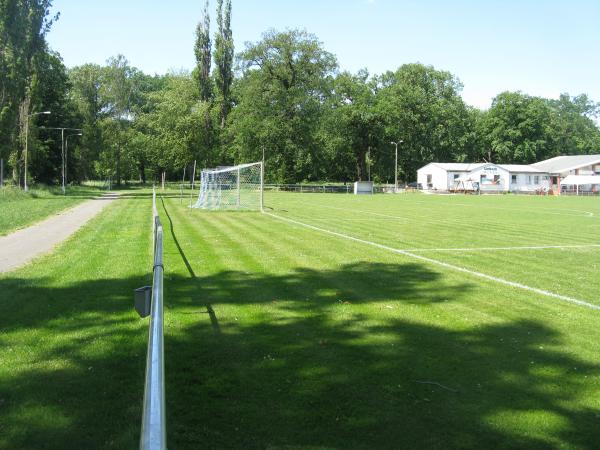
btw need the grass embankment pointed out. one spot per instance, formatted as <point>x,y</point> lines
<point>278,336</point>
<point>19,209</point>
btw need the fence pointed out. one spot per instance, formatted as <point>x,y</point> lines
<point>154,429</point>
<point>327,188</point>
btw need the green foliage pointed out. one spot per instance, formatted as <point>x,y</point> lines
<point>279,104</point>
<point>172,129</point>
<point>23,27</point>
<point>202,51</point>
<point>422,106</point>
<point>224,58</point>
<point>351,126</point>
<point>50,92</point>
<point>523,129</point>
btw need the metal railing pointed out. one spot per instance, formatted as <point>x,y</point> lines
<point>154,429</point>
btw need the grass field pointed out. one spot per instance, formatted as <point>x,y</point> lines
<point>280,334</point>
<point>19,209</point>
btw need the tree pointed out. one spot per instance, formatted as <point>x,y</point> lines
<point>85,94</point>
<point>574,126</point>
<point>202,50</point>
<point>172,138</point>
<point>224,58</point>
<point>120,94</point>
<point>351,126</point>
<point>422,106</point>
<point>518,128</point>
<point>50,92</point>
<point>279,99</point>
<point>23,28</point>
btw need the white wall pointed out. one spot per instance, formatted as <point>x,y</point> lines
<point>527,182</point>
<point>439,178</point>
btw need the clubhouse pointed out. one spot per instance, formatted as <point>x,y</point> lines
<point>563,174</point>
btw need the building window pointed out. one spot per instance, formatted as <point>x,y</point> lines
<point>536,179</point>
<point>528,179</point>
<point>496,179</point>
<point>456,176</point>
<point>513,179</point>
<point>483,178</point>
<point>429,179</point>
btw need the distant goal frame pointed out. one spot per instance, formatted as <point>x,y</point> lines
<point>232,188</point>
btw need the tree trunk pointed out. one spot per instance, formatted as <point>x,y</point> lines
<point>142,169</point>
<point>118,160</point>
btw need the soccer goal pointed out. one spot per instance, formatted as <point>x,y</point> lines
<point>230,188</point>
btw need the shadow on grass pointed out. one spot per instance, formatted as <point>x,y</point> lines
<point>307,359</point>
<point>72,364</point>
<point>300,369</point>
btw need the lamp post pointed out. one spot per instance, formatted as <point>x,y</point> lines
<point>396,166</point>
<point>62,139</point>
<point>27,144</point>
<point>66,157</point>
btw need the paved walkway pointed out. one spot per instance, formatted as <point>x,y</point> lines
<point>22,246</point>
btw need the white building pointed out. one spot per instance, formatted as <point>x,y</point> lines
<point>580,170</point>
<point>482,176</point>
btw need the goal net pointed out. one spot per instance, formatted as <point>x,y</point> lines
<point>237,187</point>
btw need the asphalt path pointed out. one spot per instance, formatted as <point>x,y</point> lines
<point>22,246</point>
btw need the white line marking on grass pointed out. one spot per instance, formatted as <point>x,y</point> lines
<point>524,247</point>
<point>440,263</point>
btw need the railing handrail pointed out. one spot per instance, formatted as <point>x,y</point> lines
<point>154,429</point>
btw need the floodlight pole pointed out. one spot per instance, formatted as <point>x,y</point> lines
<point>62,135</point>
<point>396,166</point>
<point>25,188</point>
<point>66,157</point>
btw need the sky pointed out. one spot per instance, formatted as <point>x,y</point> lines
<point>539,47</point>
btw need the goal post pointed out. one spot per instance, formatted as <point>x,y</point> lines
<point>232,188</point>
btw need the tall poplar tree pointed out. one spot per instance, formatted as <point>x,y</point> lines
<point>23,28</point>
<point>202,50</point>
<point>224,57</point>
